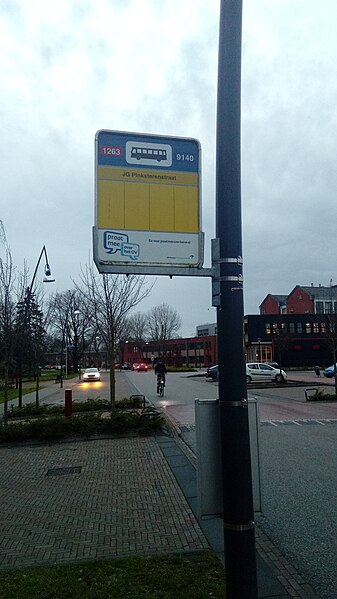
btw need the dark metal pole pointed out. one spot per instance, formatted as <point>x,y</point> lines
<point>238,514</point>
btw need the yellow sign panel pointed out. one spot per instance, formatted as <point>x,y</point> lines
<point>147,200</point>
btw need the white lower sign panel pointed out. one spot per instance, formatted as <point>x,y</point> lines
<point>148,247</point>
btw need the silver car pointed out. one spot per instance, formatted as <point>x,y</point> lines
<point>257,371</point>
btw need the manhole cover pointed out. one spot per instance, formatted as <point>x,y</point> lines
<point>65,470</point>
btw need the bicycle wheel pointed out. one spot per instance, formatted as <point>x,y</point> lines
<point>161,390</point>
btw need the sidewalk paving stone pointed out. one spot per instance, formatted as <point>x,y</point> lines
<point>125,501</point>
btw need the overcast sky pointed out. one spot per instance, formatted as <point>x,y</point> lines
<point>73,67</point>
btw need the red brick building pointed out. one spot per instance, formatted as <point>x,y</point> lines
<point>273,304</point>
<point>197,352</point>
<point>302,300</point>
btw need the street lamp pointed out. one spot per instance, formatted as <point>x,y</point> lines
<point>68,345</point>
<point>97,346</point>
<point>48,278</point>
<point>259,342</point>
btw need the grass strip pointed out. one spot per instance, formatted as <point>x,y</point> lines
<point>14,393</point>
<point>181,576</point>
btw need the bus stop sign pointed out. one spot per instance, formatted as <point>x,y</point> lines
<point>147,202</point>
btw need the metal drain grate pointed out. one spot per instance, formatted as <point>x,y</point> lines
<point>65,470</point>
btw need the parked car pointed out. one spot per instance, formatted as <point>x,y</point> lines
<point>274,364</point>
<point>212,372</point>
<point>329,372</point>
<point>91,374</point>
<point>257,371</point>
<point>140,367</point>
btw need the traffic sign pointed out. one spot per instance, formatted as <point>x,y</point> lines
<point>147,202</point>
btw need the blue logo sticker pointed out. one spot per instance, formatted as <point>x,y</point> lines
<point>131,250</point>
<point>114,242</point>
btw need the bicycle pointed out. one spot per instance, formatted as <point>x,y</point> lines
<point>160,386</point>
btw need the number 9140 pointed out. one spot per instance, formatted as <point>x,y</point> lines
<point>185,157</point>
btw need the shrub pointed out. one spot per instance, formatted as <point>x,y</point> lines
<point>123,421</point>
<point>58,427</point>
<point>91,405</point>
<point>321,396</point>
<point>53,428</point>
<point>132,403</point>
<point>32,410</point>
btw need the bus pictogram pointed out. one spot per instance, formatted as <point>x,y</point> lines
<point>148,153</point>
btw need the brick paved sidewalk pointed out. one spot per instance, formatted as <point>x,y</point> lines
<point>91,500</point>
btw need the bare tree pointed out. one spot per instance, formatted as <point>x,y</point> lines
<point>164,322</point>
<point>7,314</point>
<point>71,319</point>
<point>111,297</point>
<point>137,326</point>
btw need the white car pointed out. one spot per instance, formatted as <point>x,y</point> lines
<point>257,371</point>
<point>91,374</point>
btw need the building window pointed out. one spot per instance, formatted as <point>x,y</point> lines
<point>323,327</point>
<point>291,327</point>
<point>299,327</point>
<point>316,327</point>
<point>319,308</point>
<point>328,307</point>
<point>268,329</point>
<point>308,327</point>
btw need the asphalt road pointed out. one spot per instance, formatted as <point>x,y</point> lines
<point>299,490</point>
<point>298,443</point>
<point>275,403</point>
<point>180,392</point>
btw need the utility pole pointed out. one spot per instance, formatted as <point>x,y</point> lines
<point>238,513</point>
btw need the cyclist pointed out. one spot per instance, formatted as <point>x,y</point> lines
<point>160,371</point>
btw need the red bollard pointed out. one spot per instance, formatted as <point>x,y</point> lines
<point>68,402</point>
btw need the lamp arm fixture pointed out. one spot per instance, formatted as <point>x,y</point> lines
<point>48,276</point>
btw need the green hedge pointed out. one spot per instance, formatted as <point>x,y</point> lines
<point>321,396</point>
<point>90,405</point>
<point>58,427</point>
